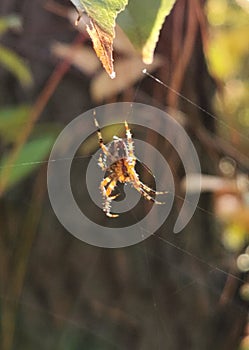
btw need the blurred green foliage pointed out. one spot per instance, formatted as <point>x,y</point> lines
<point>28,159</point>
<point>10,22</point>
<point>12,119</point>
<point>228,59</point>
<point>228,48</point>
<point>16,65</point>
<point>8,58</point>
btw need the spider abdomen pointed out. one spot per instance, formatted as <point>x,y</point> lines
<point>117,150</point>
<point>121,169</point>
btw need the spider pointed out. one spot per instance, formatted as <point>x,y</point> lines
<point>118,161</point>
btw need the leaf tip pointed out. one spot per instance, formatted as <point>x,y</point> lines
<point>148,54</point>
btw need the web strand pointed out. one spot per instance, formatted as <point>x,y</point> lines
<point>194,104</point>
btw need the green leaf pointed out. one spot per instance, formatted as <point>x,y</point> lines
<point>102,16</point>
<point>9,22</point>
<point>15,65</point>
<point>142,21</point>
<point>30,157</point>
<point>103,12</point>
<point>12,119</point>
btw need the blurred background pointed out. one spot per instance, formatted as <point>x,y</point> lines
<point>185,291</point>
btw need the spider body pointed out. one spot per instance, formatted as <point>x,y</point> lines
<point>118,162</point>
<point>117,151</point>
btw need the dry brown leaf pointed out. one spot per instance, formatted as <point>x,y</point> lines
<point>129,70</point>
<point>101,29</point>
<point>102,44</point>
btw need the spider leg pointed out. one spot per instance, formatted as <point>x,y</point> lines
<point>140,187</point>
<point>135,178</point>
<point>102,146</point>
<point>101,163</point>
<point>104,183</point>
<point>148,189</point>
<point>110,188</point>
<point>146,195</point>
<point>101,143</point>
<point>110,182</point>
<point>130,144</point>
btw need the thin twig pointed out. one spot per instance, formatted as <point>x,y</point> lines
<point>184,58</point>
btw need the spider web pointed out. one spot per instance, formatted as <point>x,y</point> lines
<point>179,258</point>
